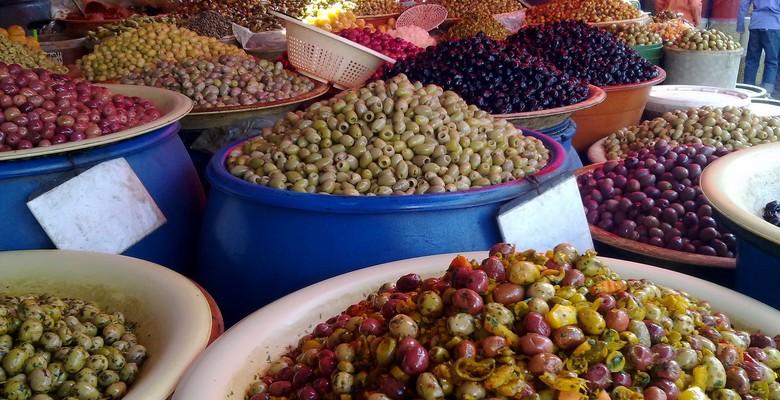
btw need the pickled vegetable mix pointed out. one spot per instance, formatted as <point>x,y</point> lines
<point>52,348</point>
<point>526,325</point>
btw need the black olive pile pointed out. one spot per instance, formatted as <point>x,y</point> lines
<point>585,52</point>
<point>494,77</point>
<point>772,213</point>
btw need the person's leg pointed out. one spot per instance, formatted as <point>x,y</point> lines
<point>752,57</point>
<point>770,41</point>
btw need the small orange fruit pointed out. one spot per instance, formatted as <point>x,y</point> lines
<point>16,30</point>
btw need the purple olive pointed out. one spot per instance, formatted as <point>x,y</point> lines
<point>508,293</point>
<point>534,322</point>
<point>670,389</point>
<point>663,352</point>
<point>669,370</point>
<point>622,378</point>
<point>280,388</point>
<point>491,345</point>
<point>657,332</point>
<point>761,340</point>
<point>465,349</point>
<point>573,277</point>
<point>494,269</point>
<point>468,301</point>
<point>545,362</point>
<point>598,376</point>
<point>477,281</point>
<point>534,343</point>
<point>392,387</point>
<point>640,357</point>
<point>415,360</point>
<point>408,283</point>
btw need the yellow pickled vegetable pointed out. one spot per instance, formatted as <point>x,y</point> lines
<point>561,315</point>
<point>693,393</point>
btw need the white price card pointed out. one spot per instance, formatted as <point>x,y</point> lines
<point>104,209</point>
<point>549,215</point>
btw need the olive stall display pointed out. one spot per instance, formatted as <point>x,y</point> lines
<point>635,35</point>
<point>653,196</point>
<point>731,127</point>
<point>378,7</point>
<point>477,22</point>
<point>142,48</point>
<point>496,78</point>
<point>210,23</point>
<point>584,52</point>
<point>225,81</point>
<point>43,109</point>
<point>115,29</point>
<point>12,52</point>
<point>252,14</point>
<point>390,137</point>
<point>462,8</point>
<point>705,40</point>
<point>583,10</point>
<point>61,348</point>
<point>671,30</point>
<point>523,325</point>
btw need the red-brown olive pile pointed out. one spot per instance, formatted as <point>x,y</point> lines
<point>526,325</point>
<point>654,197</point>
<point>42,109</point>
<point>585,52</point>
<point>496,78</point>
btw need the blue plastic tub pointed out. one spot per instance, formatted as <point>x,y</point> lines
<point>738,186</point>
<point>563,133</point>
<point>161,163</point>
<point>258,243</point>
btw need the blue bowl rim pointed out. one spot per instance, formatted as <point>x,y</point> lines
<point>220,179</point>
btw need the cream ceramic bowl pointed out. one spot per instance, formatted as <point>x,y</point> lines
<point>172,315</point>
<point>227,368</point>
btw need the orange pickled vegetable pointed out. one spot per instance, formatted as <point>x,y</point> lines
<point>608,286</point>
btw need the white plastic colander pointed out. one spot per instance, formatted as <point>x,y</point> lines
<point>330,58</point>
<point>426,16</point>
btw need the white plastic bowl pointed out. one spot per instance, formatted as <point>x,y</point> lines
<point>172,315</point>
<point>226,369</point>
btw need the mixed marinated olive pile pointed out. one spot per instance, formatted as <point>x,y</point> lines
<point>526,325</point>
<point>392,137</point>
<point>731,127</point>
<point>52,348</point>
<point>581,10</point>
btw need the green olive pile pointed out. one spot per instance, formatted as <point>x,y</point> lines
<point>227,81</point>
<point>26,56</point>
<point>377,7</point>
<point>115,29</point>
<point>477,22</point>
<point>461,8</point>
<point>706,40</point>
<point>731,127</point>
<point>390,137</point>
<point>526,325</point>
<point>635,34</point>
<point>142,48</point>
<point>54,348</point>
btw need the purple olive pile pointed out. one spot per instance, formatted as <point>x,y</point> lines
<point>526,325</point>
<point>654,197</point>
<point>584,52</point>
<point>496,78</point>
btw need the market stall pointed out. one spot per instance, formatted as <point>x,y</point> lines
<point>170,168</point>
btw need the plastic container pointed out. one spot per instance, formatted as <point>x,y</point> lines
<point>704,68</point>
<point>665,98</point>
<point>162,164</point>
<point>765,107</point>
<point>426,16</point>
<point>563,133</point>
<point>754,92</point>
<point>326,57</point>
<point>172,315</point>
<point>63,49</point>
<point>623,107</point>
<point>651,52</point>
<point>738,186</point>
<point>227,368</point>
<point>258,244</point>
<point>27,13</point>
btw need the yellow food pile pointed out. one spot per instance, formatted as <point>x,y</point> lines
<point>17,34</point>
<point>582,10</point>
<point>142,48</point>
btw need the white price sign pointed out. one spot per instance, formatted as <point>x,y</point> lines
<point>541,220</point>
<point>105,209</point>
